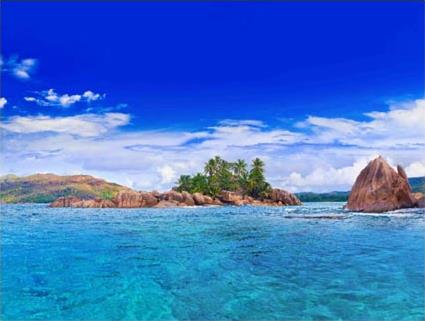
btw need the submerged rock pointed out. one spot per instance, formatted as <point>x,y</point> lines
<point>379,188</point>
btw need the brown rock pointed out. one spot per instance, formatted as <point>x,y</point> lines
<point>419,199</point>
<point>76,202</point>
<point>379,188</point>
<point>149,199</point>
<point>131,199</point>
<point>65,201</point>
<point>188,199</point>
<point>199,198</point>
<point>94,203</point>
<point>216,201</point>
<point>171,196</point>
<point>284,197</point>
<point>208,200</point>
<point>231,198</point>
<point>165,204</point>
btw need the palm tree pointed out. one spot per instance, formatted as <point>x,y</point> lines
<point>199,184</point>
<point>258,164</point>
<point>240,172</point>
<point>257,185</point>
<point>184,183</point>
<point>239,167</point>
<point>210,168</point>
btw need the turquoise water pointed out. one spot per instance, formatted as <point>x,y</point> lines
<point>223,263</point>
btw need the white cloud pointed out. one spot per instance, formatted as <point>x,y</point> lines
<point>3,102</point>
<point>168,174</point>
<point>51,98</point>
<point>85,125</point>
<point>402,126</point>
<point>91,96</point>
<point>325,155</point>
<point>21,69</point>
<point>320,178</point>
<point>416,169</point>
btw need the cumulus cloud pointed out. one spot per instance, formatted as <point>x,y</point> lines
<point>85,125</point>
<point>19,68</point>
<point>3,102</point>
<point>168,174</point>
<point>52,98</point>
<point>326,154</point>
<point>416,169</point>
<point>91,96</point>
<point>402,126</point>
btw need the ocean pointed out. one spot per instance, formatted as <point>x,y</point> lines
<point>311,262</point>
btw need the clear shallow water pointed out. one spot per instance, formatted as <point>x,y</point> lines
<point>239,263</point>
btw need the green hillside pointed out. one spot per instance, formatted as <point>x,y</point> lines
<point>45,188</point>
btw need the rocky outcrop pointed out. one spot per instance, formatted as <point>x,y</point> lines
<point>76,202</point>
<point>232,198</point>
<point>201,199</point>
<point>165,204</point>
<point>280,195</point>
<point>65,201</point>
<point>379,188</point>
<point>132,199</point>
<point>188,199</point>
<point>419,199</point>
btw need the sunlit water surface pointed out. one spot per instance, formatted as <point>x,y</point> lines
<point>234,263</point>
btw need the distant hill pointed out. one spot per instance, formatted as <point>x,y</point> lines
<point>45,188</point>
<point>323,197</point>
<point>417,184</point>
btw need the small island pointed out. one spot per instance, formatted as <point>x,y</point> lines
<point>221,183</point>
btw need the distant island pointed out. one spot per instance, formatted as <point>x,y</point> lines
<point>218,175</point>
<point>45,188</point>
<point>221,183</point>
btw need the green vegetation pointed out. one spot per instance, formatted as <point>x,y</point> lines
<point>45,188</point>
<point>220,175</point>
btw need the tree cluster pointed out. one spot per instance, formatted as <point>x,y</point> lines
<point>221,175</point>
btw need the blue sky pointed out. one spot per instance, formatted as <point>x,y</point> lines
<point>167,85</point>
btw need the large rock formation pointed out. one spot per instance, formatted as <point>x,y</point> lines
<point>379,188</point>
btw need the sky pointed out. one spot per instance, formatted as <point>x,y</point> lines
<point>139,93</point>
